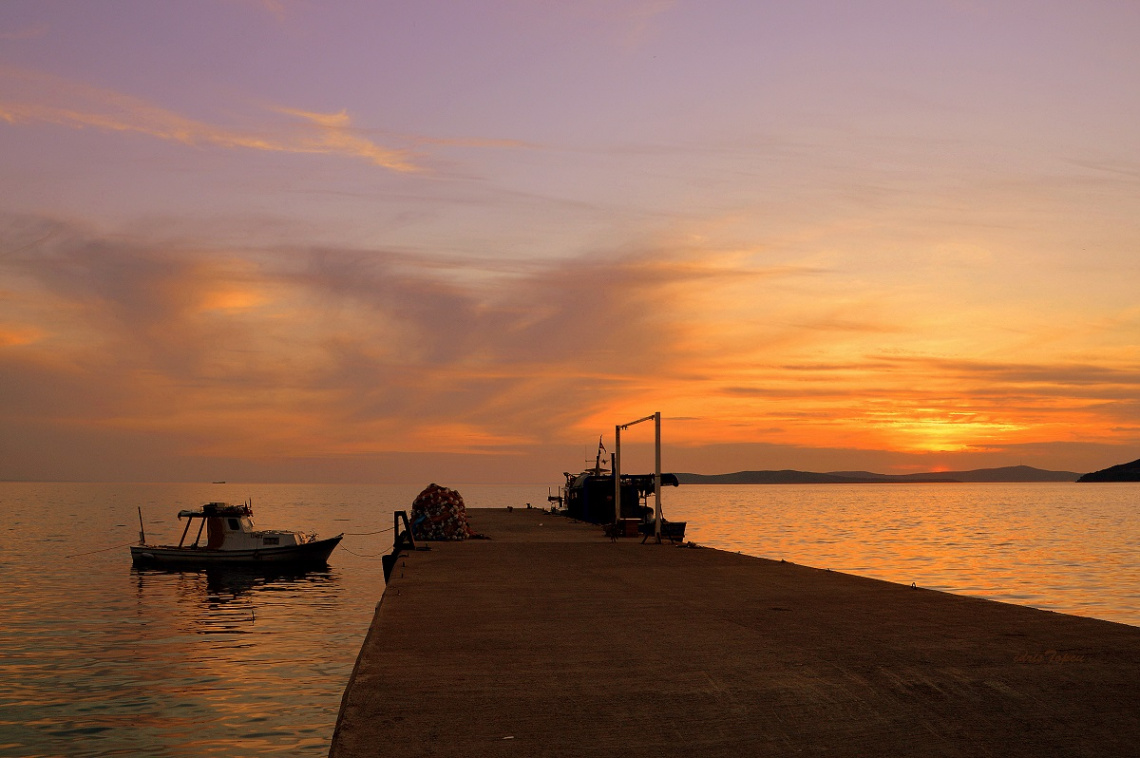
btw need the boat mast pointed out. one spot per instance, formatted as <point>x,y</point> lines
<point>142,529</point>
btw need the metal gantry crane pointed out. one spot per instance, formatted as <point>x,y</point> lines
<point>656,418</point>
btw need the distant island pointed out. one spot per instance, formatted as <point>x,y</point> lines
<point>788,476</point>
<point>1125,472</point>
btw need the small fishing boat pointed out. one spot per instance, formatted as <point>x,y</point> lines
<point>589,496</point>
<point>232,540</point>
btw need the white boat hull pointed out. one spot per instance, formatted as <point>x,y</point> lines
<point>308,554</point>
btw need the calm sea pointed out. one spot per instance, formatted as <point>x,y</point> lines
<point>97,659</point>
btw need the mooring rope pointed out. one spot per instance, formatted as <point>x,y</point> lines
<point>101,550</point>
<point>366,534</point>
<point>361,555</point>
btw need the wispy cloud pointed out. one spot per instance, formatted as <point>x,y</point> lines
<point>29,32</point>
<point>332,353</point>
<point>631,20</point>
<point>335,134</point>
<point>34,97</point>
<point>277,8</point>
<point>338,351</point>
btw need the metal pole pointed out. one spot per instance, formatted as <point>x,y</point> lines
<point>657,476</point>
<point>617,475</point>
<point>656,417</point>
<point>185,531</point>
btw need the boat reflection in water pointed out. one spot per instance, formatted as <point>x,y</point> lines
<point>237,661</point>
<point>233,599</point>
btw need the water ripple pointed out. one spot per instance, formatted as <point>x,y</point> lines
<point>1064,547</point>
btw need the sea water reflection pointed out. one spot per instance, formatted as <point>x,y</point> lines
<point>222,645</point>
<point>1062,547</point>
<point>185,664</point>
<point>98,659</point>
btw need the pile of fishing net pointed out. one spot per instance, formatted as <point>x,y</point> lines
<point>439,514</point>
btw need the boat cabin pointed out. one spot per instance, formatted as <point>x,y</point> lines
<point>230,527</point>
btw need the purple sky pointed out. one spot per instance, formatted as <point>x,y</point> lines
<point>401,241</point>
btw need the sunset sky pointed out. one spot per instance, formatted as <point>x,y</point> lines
<point>285,240</point>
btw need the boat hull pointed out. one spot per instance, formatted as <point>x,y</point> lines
<point>309,554</point>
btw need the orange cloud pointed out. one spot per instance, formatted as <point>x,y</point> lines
<point>12,336</point>
<point>31,97</point>
<point>330,354</point>
<point>232,300</point>
<point>336,135</point>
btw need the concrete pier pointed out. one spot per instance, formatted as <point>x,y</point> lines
<point>551,640</point>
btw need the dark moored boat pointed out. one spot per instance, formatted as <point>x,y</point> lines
<point>231,540</point>
<point>589,496</point>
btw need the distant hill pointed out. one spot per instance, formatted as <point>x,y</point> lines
<point>1003,474</point>
<point>1125,472</point>
<point>788,476</point>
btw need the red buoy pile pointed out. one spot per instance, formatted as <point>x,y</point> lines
<point>439,514</point>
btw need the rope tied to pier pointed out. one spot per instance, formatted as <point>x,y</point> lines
<point>366,534</point>
<point>361,555</point>
<point>101,550</point>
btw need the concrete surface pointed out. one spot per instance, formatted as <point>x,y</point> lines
<point>550,640</point>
